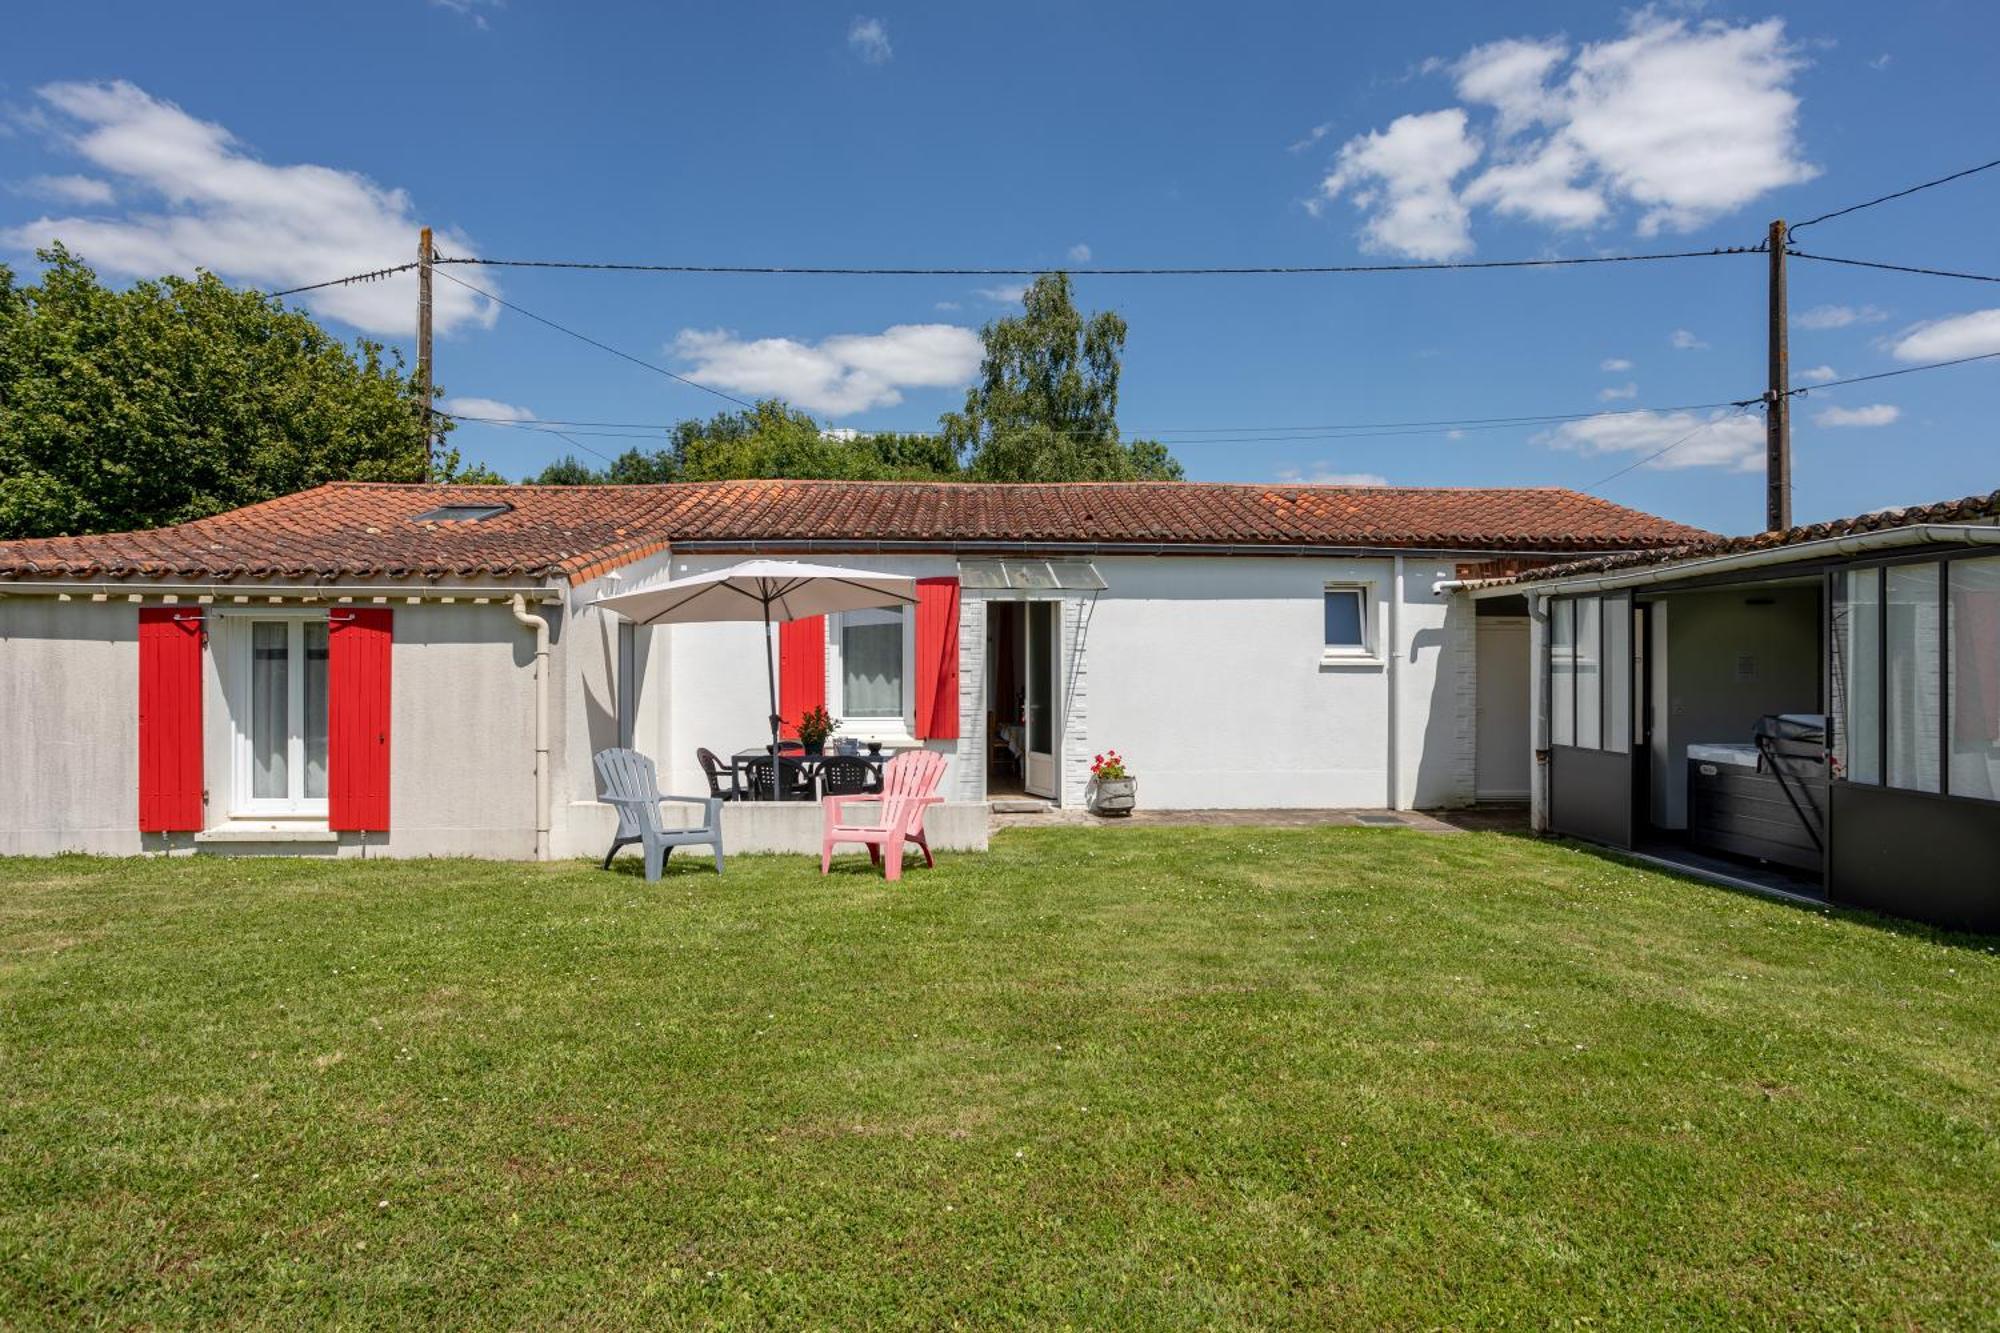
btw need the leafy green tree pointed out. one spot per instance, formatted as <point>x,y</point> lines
<point>177,399</point>
<point>769,440</point>
<point>1045,407</point>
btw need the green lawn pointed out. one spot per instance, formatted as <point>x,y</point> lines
<point>1129,1077</point>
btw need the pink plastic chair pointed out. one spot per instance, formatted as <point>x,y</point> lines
<point>909,784</point>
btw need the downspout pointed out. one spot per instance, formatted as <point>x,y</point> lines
<point>1538,715</point>
<point>541,628</point>
<point>1395,686</point>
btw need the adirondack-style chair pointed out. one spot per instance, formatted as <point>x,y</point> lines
<point>909,786</point>
<point>632,787</point>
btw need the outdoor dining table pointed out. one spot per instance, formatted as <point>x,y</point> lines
<point>793,761</point>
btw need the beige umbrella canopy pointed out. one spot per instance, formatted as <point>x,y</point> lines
<point>768,590</point>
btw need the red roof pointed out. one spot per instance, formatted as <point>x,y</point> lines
<point>369,531</point>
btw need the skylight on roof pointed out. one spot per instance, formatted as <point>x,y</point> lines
<point>468,513</point>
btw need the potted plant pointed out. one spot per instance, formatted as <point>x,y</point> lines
<point>815,725</point>
<point>1113,790</point>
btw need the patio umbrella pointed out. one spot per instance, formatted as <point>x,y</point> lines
<point>766,590</point>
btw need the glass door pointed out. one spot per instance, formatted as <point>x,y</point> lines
<point>1042,776</point>
<point>280,706</point>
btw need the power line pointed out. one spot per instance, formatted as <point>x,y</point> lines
<point>1893,268</point>
<point>601,346</point>
<point>1899,194</point>
<point>1172,271</point>
<point>1891,374</point>
<point>561,435</point>
<point>1217,435</point>
<point>372,275</point>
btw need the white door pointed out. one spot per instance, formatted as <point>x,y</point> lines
<point>1044,726</point>
<point>1501,766</point>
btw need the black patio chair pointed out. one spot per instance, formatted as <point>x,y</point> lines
<point>843,775</point>
<point>722,783</point>
<point>794,784</point>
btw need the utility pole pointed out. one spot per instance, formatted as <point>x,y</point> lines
<point>424,348</point>
<point>1778,399</point>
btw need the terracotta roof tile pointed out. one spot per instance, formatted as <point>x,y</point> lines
<point>1971,509</point>
<point>367,531</point>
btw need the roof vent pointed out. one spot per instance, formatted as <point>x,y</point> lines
<point>466,513</point>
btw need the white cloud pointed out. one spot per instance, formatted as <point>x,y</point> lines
<point>222,209</point>
<point>869,39</point>
<point>487,407</point>
<point>1838,316</point>
<point>1819,374</point>
<point>1875,414</point>
<point>1401,180</point>
<point>1005,294</point>
<point>1312,136</point>
<point>1612,393</point>
<point>1321,475</point>
<point>472,9</point>
<point>946,305</point>
<point>1611,365</point>
<point>1079,253</point>
<point>1973,334</point>
<point>846,373</point>
<point>1881,62</point>
<point>1723,439</point>
<point>1684,340</point>
<point>84,190</point>
<point>1683,121</point>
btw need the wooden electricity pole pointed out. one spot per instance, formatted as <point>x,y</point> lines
<point>424,348</point>
<point>1778,399</point>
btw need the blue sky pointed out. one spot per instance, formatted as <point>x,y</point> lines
<point>285,144</point>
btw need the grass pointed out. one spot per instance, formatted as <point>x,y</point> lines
<point>1160,1078</point>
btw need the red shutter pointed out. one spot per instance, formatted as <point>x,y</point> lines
<point>357,718</point>
<point>937,659</point>
<point>801,670</point>
<point>170,640</point>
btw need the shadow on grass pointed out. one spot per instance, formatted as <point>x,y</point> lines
<point>1891,925</point>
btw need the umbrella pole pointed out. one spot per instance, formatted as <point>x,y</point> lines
<point>771,677</point>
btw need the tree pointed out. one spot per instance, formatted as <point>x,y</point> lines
<point>1046,404</point>
<point>176,399</point>
<point>768,440</point>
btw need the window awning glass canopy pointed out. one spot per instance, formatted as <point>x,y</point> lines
<point>1025,576</point>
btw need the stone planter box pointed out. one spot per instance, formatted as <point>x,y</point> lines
<point>1114,796</point>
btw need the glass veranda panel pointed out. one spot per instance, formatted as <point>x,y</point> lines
<point>1589,674</point>
<point>1972,690</point>
<point>1857,675</point>
<point>1618,673</point>
<point>1914,682</point>
<point>1562,672</point>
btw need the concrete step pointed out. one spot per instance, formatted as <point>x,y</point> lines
<point>1021,805</point>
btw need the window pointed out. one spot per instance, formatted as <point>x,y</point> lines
<point>873,667</point>
<point>468,513</point>
<point>1562,671</point>
<point>1346,622</point>
<point>1972,689</point>
<point>280,710</point>
<point>1857,675</point>
<point>1914,693</point>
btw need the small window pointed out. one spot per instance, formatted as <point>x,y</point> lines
<point>871,665</point>
<point>467,513</point>
<point>1346,621</point>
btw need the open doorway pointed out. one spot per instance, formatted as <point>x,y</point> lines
<point>1733,777</point>
<point>1022,715</point>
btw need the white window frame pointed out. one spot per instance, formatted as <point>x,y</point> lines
<point>888,729</point>
<point>238,694</point>
<point>1367,652</point>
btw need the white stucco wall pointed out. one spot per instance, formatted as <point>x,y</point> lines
<point>69,695</point>
<point>461,733</point>
<point>1207,674</point>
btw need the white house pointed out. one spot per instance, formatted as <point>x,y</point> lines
<point>415,670</point>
